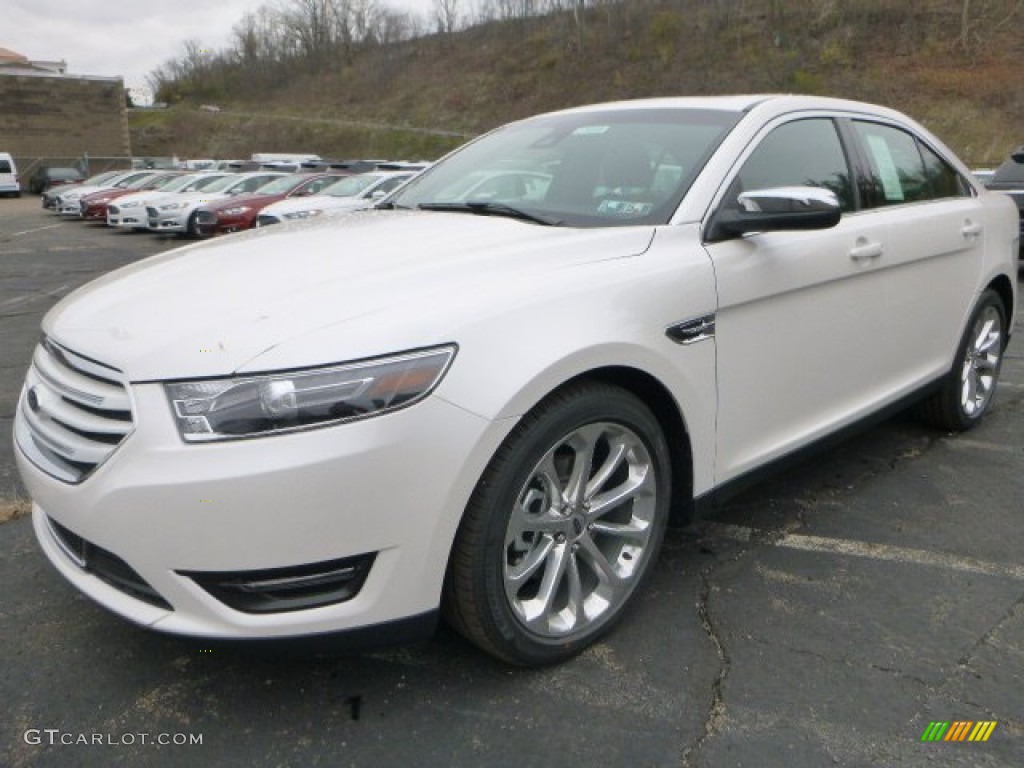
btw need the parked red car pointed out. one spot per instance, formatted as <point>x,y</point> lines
<point>94,205</point>
<point>239,212</point>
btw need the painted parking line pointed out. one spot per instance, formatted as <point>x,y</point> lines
<point>37,229</point>
<point>54,294</point>
<point>865,549</point>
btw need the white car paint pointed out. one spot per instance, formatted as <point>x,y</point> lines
<point>377,185</point>
<point>809,331</point>
<point>171,213</point>
<point>68,201</point>
<point>129,211</point>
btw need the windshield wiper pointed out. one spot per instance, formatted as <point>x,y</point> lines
<point>491,209</point>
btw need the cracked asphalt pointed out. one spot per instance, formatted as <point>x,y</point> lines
<point>825,617</point>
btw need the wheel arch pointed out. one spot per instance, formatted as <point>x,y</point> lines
<point>1004,288</point>
<point>656,396</point>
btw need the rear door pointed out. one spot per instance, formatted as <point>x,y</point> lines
<point>934,251</point>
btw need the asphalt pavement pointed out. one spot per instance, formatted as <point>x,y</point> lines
<point>825,617</point>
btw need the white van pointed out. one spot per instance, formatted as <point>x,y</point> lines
<point>9,176</point>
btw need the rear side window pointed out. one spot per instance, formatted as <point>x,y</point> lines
<point>902,170</point>
<point>5,166</point>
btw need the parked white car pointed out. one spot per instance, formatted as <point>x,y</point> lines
<point>67,202</point>
<point>489,407</point>
<point>175,214</point>
<point>129,211</point>
<point>350,193</point>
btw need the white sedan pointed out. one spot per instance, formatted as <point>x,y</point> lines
<point>129,211</point>
<point>176,214</point>
<point>350,193</point>
<point>488,407</point>
<point>68,202</point>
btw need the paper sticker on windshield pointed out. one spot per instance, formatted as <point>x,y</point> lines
<point>590,130</point>
<point>887,172</point>
<point>624,208</point>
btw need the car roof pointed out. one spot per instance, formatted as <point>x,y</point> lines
<point>779,103</point>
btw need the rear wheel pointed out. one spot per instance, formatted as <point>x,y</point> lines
<point>966,393</point>
<point>562,528</point>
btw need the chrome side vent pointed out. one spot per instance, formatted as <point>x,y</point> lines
<point>692,331</point>
<point>73,413</point>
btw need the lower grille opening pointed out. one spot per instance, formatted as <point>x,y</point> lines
<point>106,566</point>
<point>276,590</point>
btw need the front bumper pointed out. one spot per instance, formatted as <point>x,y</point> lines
<point>167,221</point>
<point>391,487</point>
<point>134,217</point>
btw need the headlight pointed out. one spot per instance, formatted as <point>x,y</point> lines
<point>172,206</point>
<point>135,204</point>
<point>101,201</point>
<point>238,210</point>
<point>303,214</point>
<point>250,406</point>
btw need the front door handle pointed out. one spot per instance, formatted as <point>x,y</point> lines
<point>970,229</point>
<point>864,251</point>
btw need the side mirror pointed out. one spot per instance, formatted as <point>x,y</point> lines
<point>775,210</point>
<point>379,194</point>
<point>1018,155</point>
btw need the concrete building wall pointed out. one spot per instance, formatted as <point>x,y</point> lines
<point>49,116</point>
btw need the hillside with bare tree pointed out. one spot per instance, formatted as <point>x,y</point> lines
<point>353,77</point>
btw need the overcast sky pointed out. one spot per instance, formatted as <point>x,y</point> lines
<point>132,37</point>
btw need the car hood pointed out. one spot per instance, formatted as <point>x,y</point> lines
<point>310,202</point>
<point>230,202</point>
<point>193,198</point>
<point>212,309</point>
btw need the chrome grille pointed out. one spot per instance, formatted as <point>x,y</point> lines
<point>73,413</point>
<point>152,212</point>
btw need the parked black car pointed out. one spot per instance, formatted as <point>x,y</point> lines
<point>1009,178</point>
<point>46,178</point>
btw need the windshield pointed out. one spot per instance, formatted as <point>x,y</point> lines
<point>203,183</point>
<point>221,184</point>
<point>62,174</point>
<point>350,185</point>
<point>99,178</point>
<point>587,169</point>
<point>282,185</point>
<point>1010,172</point>
<point>160,182</point>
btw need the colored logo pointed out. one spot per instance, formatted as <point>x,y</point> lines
<point>959,730</point>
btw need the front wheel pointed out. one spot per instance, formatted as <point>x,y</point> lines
<point>563,527</point>
<point>966,393</point>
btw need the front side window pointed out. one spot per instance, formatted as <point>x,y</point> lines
<point>902,170</point>
<point>603,168</point>
<point>803,153</point>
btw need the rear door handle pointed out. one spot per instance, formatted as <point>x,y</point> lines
<point>865,250</point>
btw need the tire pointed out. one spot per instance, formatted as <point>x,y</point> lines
<point>543,566</point>
<point>192,228</point>
<point>965,394</point>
